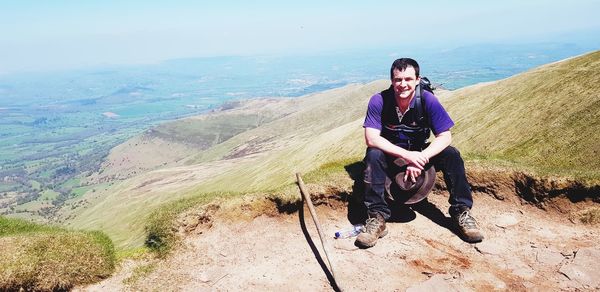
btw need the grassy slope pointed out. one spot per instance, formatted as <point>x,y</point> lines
<point>167,144</point>
<point>326,128</point>
<point>38,257</point>
<point>544,120</point>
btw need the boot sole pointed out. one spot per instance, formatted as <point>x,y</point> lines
<point>365,245</point>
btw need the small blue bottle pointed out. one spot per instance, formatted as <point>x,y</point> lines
<point>350,232</point>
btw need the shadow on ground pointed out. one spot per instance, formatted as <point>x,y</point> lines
<point>401,213</point>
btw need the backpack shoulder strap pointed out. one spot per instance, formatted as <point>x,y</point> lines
<point>420,105</point>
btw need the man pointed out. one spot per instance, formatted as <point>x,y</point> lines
<point>393,130</point>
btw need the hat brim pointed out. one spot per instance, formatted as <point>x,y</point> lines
<point>408,192</point>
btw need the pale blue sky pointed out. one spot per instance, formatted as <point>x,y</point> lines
<point>48,35</point>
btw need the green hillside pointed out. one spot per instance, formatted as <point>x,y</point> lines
<point>543,120</point>
<point>325,128</point>
<point>546,119</point>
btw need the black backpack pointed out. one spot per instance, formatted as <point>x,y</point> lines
<point>424,84</point>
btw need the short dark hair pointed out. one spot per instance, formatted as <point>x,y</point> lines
<point>403,63</point>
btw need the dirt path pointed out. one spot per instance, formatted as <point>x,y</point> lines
<point>525,248</point>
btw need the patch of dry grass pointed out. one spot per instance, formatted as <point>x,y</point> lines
<point>139,273</point>
<point>42,258</point>
<point>591,216</point>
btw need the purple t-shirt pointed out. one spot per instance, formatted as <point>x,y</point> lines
<point>382,115</point>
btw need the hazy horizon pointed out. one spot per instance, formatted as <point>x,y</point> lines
<point>64,35</point>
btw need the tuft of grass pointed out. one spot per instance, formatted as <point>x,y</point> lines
<point>140,272</point>
<point>137,253</point>
<point>591,216</point>
<point>17,226</point>
<point>161,235</point>
<point>348,167</point>
<point>46,258</point>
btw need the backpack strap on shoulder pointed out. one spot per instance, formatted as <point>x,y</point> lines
<point>419,104</point>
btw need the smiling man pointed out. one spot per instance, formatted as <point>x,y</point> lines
<point>395,129</point>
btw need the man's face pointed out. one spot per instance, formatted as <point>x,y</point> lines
<point>405,82</point>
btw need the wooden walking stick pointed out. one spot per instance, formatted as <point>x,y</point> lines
<point>313,214</point>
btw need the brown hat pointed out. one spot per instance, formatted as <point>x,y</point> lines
<point>409,192</point>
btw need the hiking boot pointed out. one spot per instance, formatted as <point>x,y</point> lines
<point>374,230</point>
<point>467,226</point>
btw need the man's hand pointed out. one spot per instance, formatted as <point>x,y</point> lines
<point>412,173</point>
<point>416,159</point>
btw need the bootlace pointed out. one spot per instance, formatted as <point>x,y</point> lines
<point>466,220</point>
<point>371,225</point>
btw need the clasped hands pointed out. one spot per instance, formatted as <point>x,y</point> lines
<point>416,163</point>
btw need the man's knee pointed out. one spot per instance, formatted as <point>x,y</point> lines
<point>451,153</point>
<point>375,166</point>
<point>374,155</point>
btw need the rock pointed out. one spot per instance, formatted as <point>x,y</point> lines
<point>545,232</point>
<point>345,244</point>
<point>203,277</point>
<point>506,220</point>
<point>524,272</point>
<point>485,278</point>
<point>519,268</point>
<point>489,247</point>
<point>212,275</point>
<point>548,257</point>
<point>585,268</point>
<point>436,283</point>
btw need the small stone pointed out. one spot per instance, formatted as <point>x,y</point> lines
<point>204,278</point>
<point>435,283</point>
<point>524,272</point>
<point>584,268</point>
<point>548,257</point>
<point>506,220</point>
<point>345,244</point>
<point>489,247</point>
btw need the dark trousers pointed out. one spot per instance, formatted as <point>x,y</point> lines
<point>449,162</point>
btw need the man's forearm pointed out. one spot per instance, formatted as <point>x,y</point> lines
<point>386,146</point>
<point>438,144</point>
<point>374,139</point>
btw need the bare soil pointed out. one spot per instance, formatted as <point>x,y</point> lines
<point>525,248</point>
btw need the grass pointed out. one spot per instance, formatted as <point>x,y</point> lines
<point>524,122</point>
<point>545,119</point>
<point>33,206</point>
<point>140,272</point>
<point>591,216</point>
<point>79,191</point>
<point>161,236</point>
<point>47,258</point>
<point>48,195</point>
<point>328,171</point>
<point>297,142</point>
